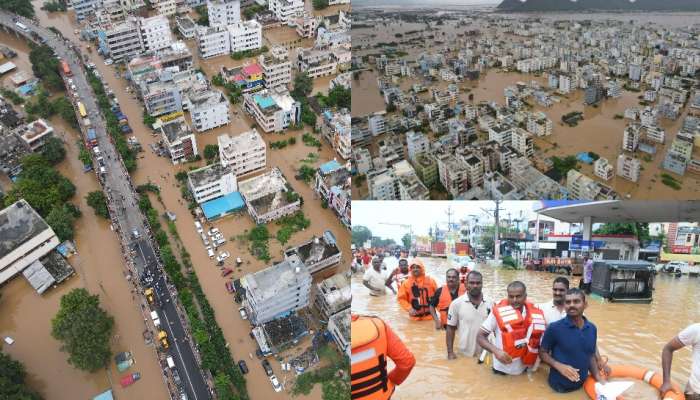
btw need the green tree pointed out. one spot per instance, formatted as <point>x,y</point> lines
<point>217,80</point>
<point>639,229</point>
<point>360,234</point>
<point>84,329</point>
<point>61,220</point>
<point>320,4</point>
<point>340,97</point>
<point>203,15</point>
<point>45,66</point>
<point>53,151</point>
<point>306,173</point>
<point>284,234</point>
<point>222,383</point>
<point>98,202</point>
<point>12,385</point>
<point>406,241</point>
<point>19,7</point>
<point>303,85</point>
<point>211,151</point>
<point>561,166</point>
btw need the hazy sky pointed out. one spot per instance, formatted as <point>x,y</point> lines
<point>423,214</point>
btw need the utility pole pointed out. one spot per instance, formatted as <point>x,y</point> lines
<point>449,218</point>
<point>496,241</point>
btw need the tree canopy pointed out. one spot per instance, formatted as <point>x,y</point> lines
<point>19,7</point>
<point>303,85</point>
<point>84,329</point>
<point>638,229</point>
<point>12,385</point>
<point>360,234</point>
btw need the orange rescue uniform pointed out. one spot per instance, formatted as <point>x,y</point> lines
<point>416,292</point>
<point>445,300</point>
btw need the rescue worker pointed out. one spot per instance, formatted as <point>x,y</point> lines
<point>518,327</point>
<point>444,296</point>
<point>400,274</point>
<point>416,291</point>
<point>373,342</point>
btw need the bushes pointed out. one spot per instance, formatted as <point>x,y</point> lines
<point>258,238</point>
<point>310,140</point>
<point>306,173</point>
<point>98,202</point>
<point>239,55</point>
<point>12,96</point>
<point>509,262</point>
<point>670,181</point>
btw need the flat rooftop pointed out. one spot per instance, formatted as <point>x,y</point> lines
<point>176,129</point>
<point>209,174</point>
<point>18,224</point>
<point>277,279</point>
<point>315,250</point>
<point>263,184</point>
<point>241,142</point>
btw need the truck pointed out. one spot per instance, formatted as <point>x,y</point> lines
<point>128,380</point>
<point>149,295</point>
<point>163,339</point>
<point>438,249</point>
<point>91,138</point>
<point>462,249</point>
<point>155,318</point>
<point>65,69</point>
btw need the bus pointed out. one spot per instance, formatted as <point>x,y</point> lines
<point>22,26</point>
<point>81,108</point>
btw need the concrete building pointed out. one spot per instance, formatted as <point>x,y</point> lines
<point>362,160</point>
<point>211,182</point>
<point>417,143</point>
<point>165,8</point>
<point>277,69</point>
<point>36,133</point>
<point>475,171</point>
<point>85,8</point>
<point>285,10</point>
<point>223,12</point>
<point>316,62</point>
<point>628,167</point>
<point>161,98</point>
<point>277,290</point>
<point>333,295</point>
<point>630,138</point>
<point>382,185</point>
<point>635,72</point>
<point>306,25</point>
<point>244,153</point>
<point>339,327</point>
<point>539,125</point>
<point>408,186</point>
<point>582,187</point>
<point>186,26</point>
<point>502,134</point>
<point>24,238</point>
<point>318,255</point>
<point>178,140</point>
<point>122,40</point>
<point>335,128</point>
<point>603,169</point>
<point>269,197</point>
<point>522,142</point>
<point>245,35</point>
<point>155,33</point>
<point>273,110</point>
<point>453,173</point>
<point>213,41</point>
<point>656,134</point>
<point>427,169</point>
<point>209,109</point>
<point>564,84</point>
<point>531,182</point>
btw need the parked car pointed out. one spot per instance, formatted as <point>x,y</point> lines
<point>223,256</point>
<point>275,384</point>
<point>210,252</point>
<point>676,267</point>
<point>268,368</point>
<point>243,367</point>
<point>229,286</point>
<point>243,313</point>
<point>109,61</point>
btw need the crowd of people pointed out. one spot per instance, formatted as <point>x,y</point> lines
<point>519,334</point>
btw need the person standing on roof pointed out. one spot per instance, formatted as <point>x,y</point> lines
<point>373,341</point>
<point>415,293</point>
<point>440,302</point>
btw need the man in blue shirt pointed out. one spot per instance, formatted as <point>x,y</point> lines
<point>569,347</point>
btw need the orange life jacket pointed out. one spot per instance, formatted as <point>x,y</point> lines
<point>400,277</point>
<point>419,298</point>
<point>368,369</point>
<point>520,335</point>
<point>445,301</point>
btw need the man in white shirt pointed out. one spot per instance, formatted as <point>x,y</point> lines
<point>374,279</point>
<point>689,336</point>
<point>554,309</point>
<point>465,316</point>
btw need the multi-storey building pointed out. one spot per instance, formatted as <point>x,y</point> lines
<point>165,8</point>
<point>277,69</point>
<point>224,12</point>
<point>186,26</point>
<point>285,10</point>
<point>630,138</point>
<point>121,40</point>
<point>306,25</point>
<point>213,41</point>
<point>211,182</point>
<point>502,134</point>
<point>273,109</point>
<point>244,153</point>
<point>178,140</point>
<point>454,174</point>
<point>603,169</point>
<point>582,187</point>
<point>417,143</point>
<point>628,167</point>
<point>208,108</point>
<point>269,196</point>
<point>316,62</point>
<point>522,142</point>
<point>245,35</point>
<point>155,33</point>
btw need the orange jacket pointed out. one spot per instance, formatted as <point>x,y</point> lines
<point>445,301</point>
<point>520,335</point>
<point>416,292</point>
<point>372,342</point>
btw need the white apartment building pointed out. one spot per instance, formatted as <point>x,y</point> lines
<point>179,140</point>
<point>276,290</point>
<point>267,196</point>
<point>583,187</point>
<point>339,323</point>
<point>208,109</point>
<point>155,33</point>
<point>165,8</point>
<point>648,117</point>
<point>245,35</point>
<point>36,133</point>
<point>501,134</point>
<point>630,138</point>
<point>453,174</point>
<point>224,12</point>
<point>186,26</point>
<point>628,167</point>
<point>316,63</point>
<point>285,10</point>
<point>306,25</point>
<point>418,143</point>
<point>564,84</point>
<point>277,69</point>
<point>211,182</point>
<point>603,169</point>
<point>382,184</point>
<point>24,238</point>
<point>539,125</point>
<point>273,109</point>
<point>656,134</point>
<point>475,171</point>
<point>213,41</point>
<point>122,40</point>
<point>244,153</point>
<point>522,142</point>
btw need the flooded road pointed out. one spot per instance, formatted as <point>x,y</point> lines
<point>627,334</point>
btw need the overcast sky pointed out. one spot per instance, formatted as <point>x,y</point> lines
<point>421,215</point>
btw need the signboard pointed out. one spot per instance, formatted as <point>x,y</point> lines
<point>680,249</point>
<point>577,243</point>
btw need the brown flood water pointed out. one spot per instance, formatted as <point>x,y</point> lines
<point>627,333</point>
<point>161,172</point>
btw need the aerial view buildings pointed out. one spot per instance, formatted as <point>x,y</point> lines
<point>478,104</point>
<point>175,184</point>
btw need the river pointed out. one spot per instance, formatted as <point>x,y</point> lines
<point>627,334</point>
<point>160,171</point>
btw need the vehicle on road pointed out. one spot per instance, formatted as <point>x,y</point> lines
<point>176,376</point>
<point>226,272</point>
<point>268,368</point>
<point>128,380</point>
<point>163,339</point>
<point>676,267</point>
<point>135,234</point>
<point>243,367</point>
<point>170,361</point>
<point>198,225</point>
<point>154,317</point>
<point>210,252</point>
<point>243,313</point>
<point>229,286</point>
<point>223,256</point>
<point>275,384</point>
<point>150,296</point>
<point>109,61</point>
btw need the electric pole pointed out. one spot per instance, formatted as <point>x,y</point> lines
<point>497,242</point>
<point>449,218</point>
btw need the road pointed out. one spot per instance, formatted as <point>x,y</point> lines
<point>126,214</point>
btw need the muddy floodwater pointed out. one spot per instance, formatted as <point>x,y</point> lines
<point>627,333</point>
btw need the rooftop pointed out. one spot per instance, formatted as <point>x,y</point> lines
<point>176,129</point>
<point>18,224</point>
<point>261,185</point>
<point>207,97</point>
<point>276,279</point>
<point>36,129</point>
<point>315,250</point>
<point>209,174</point>
<point>242,142</point>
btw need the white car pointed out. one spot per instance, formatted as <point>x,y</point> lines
<point>244,314</point>
<point>223,256</point>
<point>275,384</point>
<point>109,61</point>
<point>210,252</point>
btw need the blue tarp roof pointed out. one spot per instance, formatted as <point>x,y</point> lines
<point>104,396</point>
<point>584,157</point>
<point>330,166</point>
<point>223,205</point>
